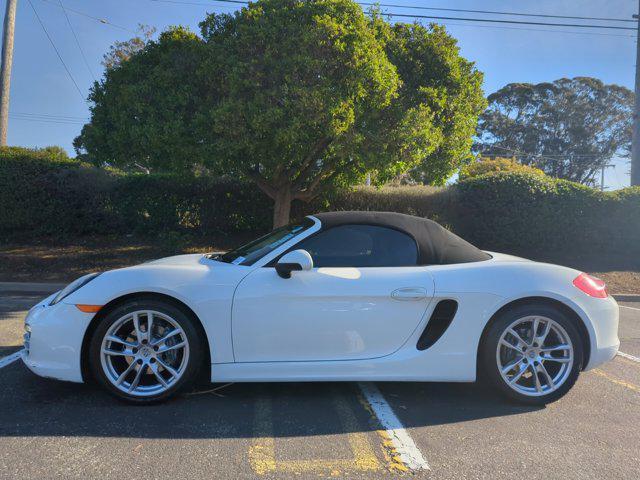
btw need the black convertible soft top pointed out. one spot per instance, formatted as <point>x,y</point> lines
<point>436,244</point>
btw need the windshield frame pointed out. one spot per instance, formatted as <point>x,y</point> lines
<point>309,225</point>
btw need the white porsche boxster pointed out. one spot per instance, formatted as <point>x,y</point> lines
<point>338,296</point>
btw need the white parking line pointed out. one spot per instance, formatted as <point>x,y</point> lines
<point>629,357</point>
<point>404,445</point>
<point>11,358</point>
<point>630,308</point>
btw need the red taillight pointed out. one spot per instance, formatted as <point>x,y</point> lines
<point>591,285</point>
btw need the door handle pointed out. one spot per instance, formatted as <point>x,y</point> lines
<point>409,293</point>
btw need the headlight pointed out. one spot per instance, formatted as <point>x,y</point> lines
<point>72,287</point>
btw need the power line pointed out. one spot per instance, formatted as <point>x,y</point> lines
<point>502,27</point>
<point>546,155</point>
<point>516,22</point>
<point>52,116</point>
<point>187,2</point>
<point>86,62</point>
<point>551,157</point>
<point>491,12</point>
<point>97,19</point>
<point>43,120</point>
<point>56,49</point>
<point>524,154</point>
<point>48,118</point>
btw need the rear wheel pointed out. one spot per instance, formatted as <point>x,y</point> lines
<point>145,351</point>
<point>532,353</point>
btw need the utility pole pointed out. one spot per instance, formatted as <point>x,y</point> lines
<point>7,61</point>
<point>635,144</point>
<point>604,167</point>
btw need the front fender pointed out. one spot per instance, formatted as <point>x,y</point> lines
<point>207,293</point>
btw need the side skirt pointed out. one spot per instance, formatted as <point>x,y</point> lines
<point>402,366</point>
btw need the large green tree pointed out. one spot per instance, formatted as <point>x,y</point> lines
<point>297,77</point>
<point>296,96</point>
<point>570,128</point>
<point>144,109</point>
<point>434,75</point>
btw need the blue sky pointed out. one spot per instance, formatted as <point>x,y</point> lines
<point>505,53</point>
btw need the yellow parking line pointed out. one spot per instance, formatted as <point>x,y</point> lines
<point>262,452</point>
<point>388,448</point>
<point>365,458</point>
<point>616,380</point>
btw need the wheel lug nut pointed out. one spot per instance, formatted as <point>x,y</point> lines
<point>153,360</point>
<point>135,350</point>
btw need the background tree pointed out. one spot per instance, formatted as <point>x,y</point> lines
<point>569,128</point>
<point>434,74</point>
<point>296,77</point>
<point>122,51</point>
<point>314,94</point>
<point>483,166</point>
<point>145,107</point>
<point>295,96</point>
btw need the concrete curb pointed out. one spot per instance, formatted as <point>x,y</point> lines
<point>626,297</point>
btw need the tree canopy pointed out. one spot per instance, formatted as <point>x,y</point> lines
<point>436,78</point>
<point>144,110</point>
<point>120,52</point>
<point>296,96</point>
<point>570,128</point>
<point>483,166</point>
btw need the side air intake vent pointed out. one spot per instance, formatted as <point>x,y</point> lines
<point>440,320</point>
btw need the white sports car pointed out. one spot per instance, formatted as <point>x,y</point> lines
<point>338,296</point>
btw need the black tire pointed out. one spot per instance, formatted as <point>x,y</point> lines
<point>488,365</point>
<point>186,322</point>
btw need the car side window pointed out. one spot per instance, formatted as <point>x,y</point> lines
<point>361,246</point>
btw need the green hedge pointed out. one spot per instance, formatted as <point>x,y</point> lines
<point>43,193</point>
<point>527,212</point>
<point>160,203</point>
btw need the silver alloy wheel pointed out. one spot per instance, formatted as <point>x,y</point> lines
<point>144,353</point>
<point>534,355</point>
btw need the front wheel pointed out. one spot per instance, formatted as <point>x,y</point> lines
<point>145,350</point>
<point>532,354</point>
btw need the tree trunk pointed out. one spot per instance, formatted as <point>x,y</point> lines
<point>281,207</point>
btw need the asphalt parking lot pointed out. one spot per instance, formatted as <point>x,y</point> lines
<point>52,429</point>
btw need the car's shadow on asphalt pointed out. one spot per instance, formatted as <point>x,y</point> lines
<point>33,406</point>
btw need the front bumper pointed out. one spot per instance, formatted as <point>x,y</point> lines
<point>53,340</point>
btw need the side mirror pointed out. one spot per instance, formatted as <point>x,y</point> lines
<point>297,260</point>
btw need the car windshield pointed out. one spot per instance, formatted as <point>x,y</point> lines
<point>253,251</point>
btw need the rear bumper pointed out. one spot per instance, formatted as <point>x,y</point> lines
<point>53,343</point>
<point>602,355</point>
<point>603,316</point>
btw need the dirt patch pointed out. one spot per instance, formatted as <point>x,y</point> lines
<point>57,261</point>
<point>621,282</point>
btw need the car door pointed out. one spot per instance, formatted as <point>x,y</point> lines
<point>363,299</point>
